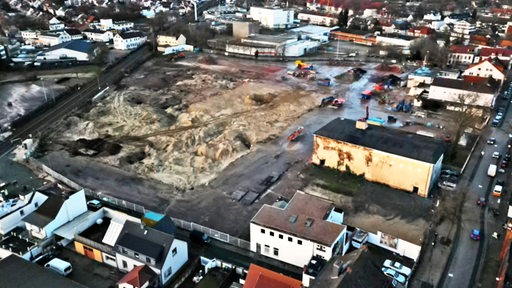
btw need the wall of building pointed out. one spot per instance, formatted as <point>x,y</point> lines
<point>63,52</point>
<point>391,41</point>
<point>318,19</point>
<point>73,207</point>
<point>244,29</point>
<point>247,50</point>
<point>460,58</point>
<point>485,69</point>
<point>173,263</point>
<point>452,95</point>
<point>11,220</point>
<point>290,252</point>
<point>93,254</point>
<point>414,80</point>
<point>377,166</point>
<point>396,245</point>
<point>272,18</point>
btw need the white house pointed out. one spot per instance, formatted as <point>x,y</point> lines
<point>56,211</point>
<point>490,67</point>
<point>129,40</point>
<point>296,231</point>
<point>55,24</point>
<point>74,33</point>
<point>80,50</point>
<point>29,34</point>
<point>462,29</point>
<point>107,24</point>
<point>272,17</point>
<point>141,245</point>
<point>98,35</point>
<point>164,41</point>
<point>51,39</point>
<point>318,19</point>
<point>14,210</point>
<point>450,91</point>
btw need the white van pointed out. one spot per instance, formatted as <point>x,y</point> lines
<point>491,172</point>
<point>60,266</point>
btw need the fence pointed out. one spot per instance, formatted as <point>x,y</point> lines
<point>123,204</point>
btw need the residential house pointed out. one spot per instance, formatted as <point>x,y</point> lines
<point>51,39</point>
<point>129,40</point>
<point>293,233</point>
<point>29,35</point>
<point>16,272</point>
<point>55,24</point>
<point>452,91</point>
<point>98,35</point>
<point>432,17</point>
<point>140,277</point>
<point>422,75</point>
<point>79,50</point>
<point>13,210</point>
<point>420,31</point>
<point>140,245</point>
<point>56,211</point>
<point>318,18</point>
<point>503,54</point>
<point>164,41</point>
<point>74,33</point>
<point>490,67</point>
<point>402,160</point>
<point>461,54</point>
<point>258,276</point>
<point>479,40</point>
<point>273,18</point>
<point>107,24</point>
<point>462,30</point>
<point>504,43</point>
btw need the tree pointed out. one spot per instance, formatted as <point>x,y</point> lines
<point>427,48</point>
<point>464,116</point>
<point>473,14</point>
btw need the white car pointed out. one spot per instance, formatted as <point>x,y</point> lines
<point>398,267</point>
<point>395,275</point>
<point>496,155</point>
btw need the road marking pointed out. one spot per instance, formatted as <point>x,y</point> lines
<point>450,275</point>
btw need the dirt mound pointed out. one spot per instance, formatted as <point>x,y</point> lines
<point>208,60</point>
<point>389,68</point>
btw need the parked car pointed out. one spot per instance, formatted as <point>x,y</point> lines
<point>491,141</point>
<point>496,155</point>
<point>475,234</point>
<point>495,123</point>
<point>481,202</point>
<point>504,164</point>
<point>507,157</point>
<point>199,237</point>
<point>499,116</point>
<point>500,182</point>
<point>450,172</point>
<point>398,267</point>
<point>94,204</point>
<point>59,266</point>
<point>497,190</point>
<point>393,274</point>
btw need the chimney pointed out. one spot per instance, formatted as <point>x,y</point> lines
<point>361,124</point>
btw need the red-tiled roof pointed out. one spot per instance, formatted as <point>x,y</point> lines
<point>259,277</point>
<point>505,43</point>
<point>495,62</point>
<point>487,52</point>
<point>422,30</point>
<point>139,276</point>
<point>501,11</point>
<point>366,4</point>
<point>463,49</point>
<point>474,79</point>
<point>479,40</point>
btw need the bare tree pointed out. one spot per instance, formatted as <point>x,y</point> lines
<point>465,115</point>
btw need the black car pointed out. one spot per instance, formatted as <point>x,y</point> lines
<point>507,157</point>
<point>500,182</point>
<point>199,237</point>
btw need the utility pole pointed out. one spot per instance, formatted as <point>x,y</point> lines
<point>44,91</point>
<point>98,80</point>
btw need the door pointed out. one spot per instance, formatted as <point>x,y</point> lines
<point>89,252</point>
<point>258,248</point>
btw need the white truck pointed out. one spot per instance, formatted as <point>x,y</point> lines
<point>491,172</point>
<point>359,238</point>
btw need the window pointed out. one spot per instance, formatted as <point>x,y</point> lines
<point>299,242</point>
<point>262,231</point>
<point>290,239</point>
<point>22,212</point>
<point>271,233</point>
<point>281,236</point>
<point>124,251</point>
<point>88,249</point>
<point>168,272</point>
<point>174,251</point>
<point>267,249</point>
<point>125,265</point>
<point>136,255</point>
<point>36,204</point>
<point>148,260</point>
<point>110,258</point>
<point>276,252</point>
<point>320,248</point>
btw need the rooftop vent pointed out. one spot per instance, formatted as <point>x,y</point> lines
<point>309,222</point>
<point>293,218</point>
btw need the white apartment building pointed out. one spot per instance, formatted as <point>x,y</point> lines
<point>98,35</point>
<point>52,39</point>
<point>485,69</point>
<point>107,24</point>
<point>55,24</point>
<point>295,232</point>
<point>272,17</point>
<point>129,40</point>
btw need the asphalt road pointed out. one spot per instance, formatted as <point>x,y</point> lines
<point>75,101</point>
<point>468,257</point>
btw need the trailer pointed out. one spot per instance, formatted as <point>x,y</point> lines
<point>296,134</point>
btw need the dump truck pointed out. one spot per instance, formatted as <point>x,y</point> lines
<point>303,66</point>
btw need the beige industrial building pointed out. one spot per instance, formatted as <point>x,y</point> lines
<point>402,160</point>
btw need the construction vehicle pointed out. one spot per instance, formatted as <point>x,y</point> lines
<point>303,66</point>
<point>176,56</point>
<point>296,134</point>
<point>366,95</point>
<point>332,101</point>
<point>401,106</point>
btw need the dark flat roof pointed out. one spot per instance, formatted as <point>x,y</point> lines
<point>46,212</point>
<point>384,139</point>
<point>489,87</point>
<point>19,273</point>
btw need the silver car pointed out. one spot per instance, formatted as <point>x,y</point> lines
<point>395,275</point>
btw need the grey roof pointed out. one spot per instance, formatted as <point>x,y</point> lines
<point>73,31</point>
<point>130,34</point>
<point>46,212</point>
<point>79,45</point>
<point>413,146</point>
<point>97,31</point>
<point>145,240</point>
<point>489,87</point>
<point>13,271</point>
